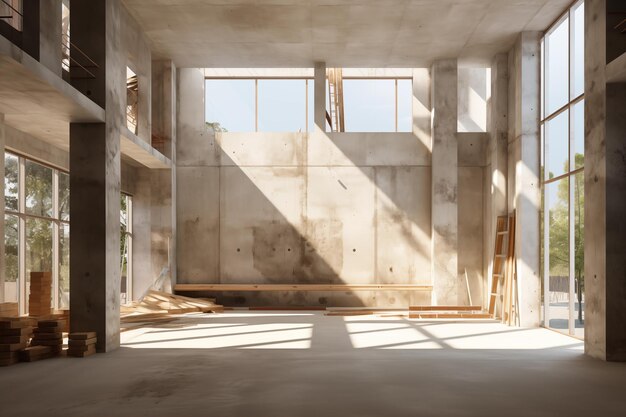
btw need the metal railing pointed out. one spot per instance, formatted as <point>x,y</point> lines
<point>13,13</point>
<point>71,62</point>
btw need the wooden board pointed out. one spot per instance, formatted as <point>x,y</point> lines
<point>301,287</point>
<point>450,316</point>
<point>82,335</point>
<point>445,308</point>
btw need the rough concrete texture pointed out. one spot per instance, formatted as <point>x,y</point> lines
<point>523,170</point>
<point>371,33</point>
<point>497,157</point>
<point>445,177</point>
<point>605,336</point>
<point>306,364</point>
<point>474,93</point>
<point>308,208</point>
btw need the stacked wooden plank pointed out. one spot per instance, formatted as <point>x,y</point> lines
<point>40,297</point>
<point>81,344</point>
<point>37,353</point>
<point>8,310</point>
<point>447,312</point>
<point>49,333</point>
<point>14,336</point>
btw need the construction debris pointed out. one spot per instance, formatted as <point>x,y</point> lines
<point>156,303</point>
<point>49,333</point>
<point>14,336</point>
<point>40,297</point>
<point>81,345</point>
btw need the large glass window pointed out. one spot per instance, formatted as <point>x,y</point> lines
<point>36,229</point>
<point>562,126</point>
<point>259,105</point>
<point>369,104</point>
<point>126,248</point>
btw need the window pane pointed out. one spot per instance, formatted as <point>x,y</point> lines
<point>556,199</point>
<point>38,248</point>
<point>230,105</point>
<point>64,196</point>
<point>557,67</point>
<point>11,250</point>
<point>579,255</point>
<point>405,105</point>
<point>557,148</point>
<point>578,51</point>
<point>578,130</point>
<point>369,105</point>
<point>11,176</point>
<point>64,266</point>
<point>311,101</point>
<point>282,105</point>
<point>38,189</point>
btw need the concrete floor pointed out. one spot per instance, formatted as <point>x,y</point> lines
<point>307,364</point>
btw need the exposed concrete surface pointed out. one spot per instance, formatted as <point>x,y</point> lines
<point>445,177</point>
<point>523,170</point>
<point>306,364</point>
<point>605,266</point>
<point>371,33</point>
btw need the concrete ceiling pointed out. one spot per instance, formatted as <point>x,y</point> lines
<point>346,33</point>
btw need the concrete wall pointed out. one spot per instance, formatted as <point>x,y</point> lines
<point>316,208</point>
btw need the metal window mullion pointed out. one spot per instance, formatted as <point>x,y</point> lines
<point>571,167</point>
<point>256,104</point>
<point>55,239</point>
<point>21,198</point>
<point>306,105</point>
<point>396,91</point>
<point>129,249</point>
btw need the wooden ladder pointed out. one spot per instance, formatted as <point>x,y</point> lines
<point>499,261</point>
<point>335,95</point>
<point>509,303</point>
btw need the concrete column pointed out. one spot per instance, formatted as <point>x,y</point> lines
<point>422,106</point>
<point>95,178</point>
<point>497,158</point>
<point>605,195</point>
<point>163,182</point>
<point>2,257</point>
<point>50,31</point>
<point>444,183</point>
<point>320,96</point>
<point>524,186</point>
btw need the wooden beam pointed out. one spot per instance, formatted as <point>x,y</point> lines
<point>301,287</point>
<point>445,308</point>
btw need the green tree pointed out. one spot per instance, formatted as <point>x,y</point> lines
<point>558,217</point>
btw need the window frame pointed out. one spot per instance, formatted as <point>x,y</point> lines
<point>256,97</point>
<point>572,170</point>
<point>23,216</point>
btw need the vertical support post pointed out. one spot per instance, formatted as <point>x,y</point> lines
<point>320,96</point>
<point>446,278</point>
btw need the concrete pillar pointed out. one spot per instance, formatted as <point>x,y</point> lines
<point>2,257</point>
<point>523,172</point>
<point>444,183</point>
<point>163,182</point>
<point>497,157</point>
<point>320,96</point>
<point>605,195</point>
<point>95,178</point>
<point>422,106</point>
<point>50,35</point>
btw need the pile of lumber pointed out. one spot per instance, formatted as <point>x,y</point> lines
<point>49,333</point>
<point>40,297</point>
<point>447,312</point>
<point>81,344</point>
<point>8,310</point>
<point>157,303</point>
<point>37,353</point>
<point>14,336</point>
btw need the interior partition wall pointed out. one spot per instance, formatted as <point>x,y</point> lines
<point>562,131</point>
